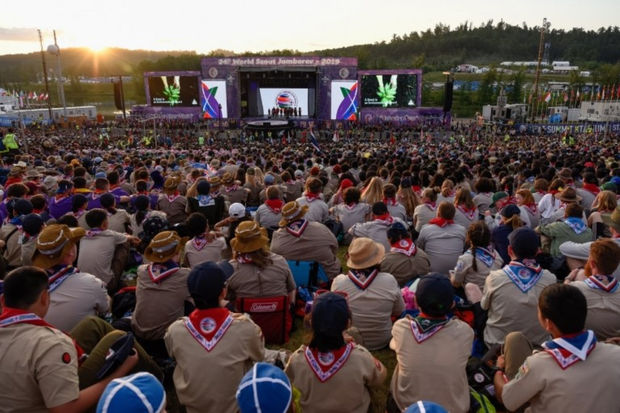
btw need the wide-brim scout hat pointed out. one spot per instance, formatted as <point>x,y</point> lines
<point>612,220</point>
<point>249,237</point>
<point>53,243</point>
<point>568,195</point>
<point>291,212</point>
<point>171,183</point>
<point>364,253</point>
<point>163,247</point>
<point>227,178</point>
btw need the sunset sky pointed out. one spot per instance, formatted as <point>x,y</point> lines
<point>267,25</point>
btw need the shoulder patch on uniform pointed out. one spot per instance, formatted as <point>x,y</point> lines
<point>66,358</point>
<point>523,370</point>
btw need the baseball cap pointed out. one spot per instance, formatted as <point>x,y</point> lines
<point>265,388</point>
<point>236,210</point>
<point>424,406</point>
<point>207,280</point>
<point>330,314</point>
<point>510,210</point>
<point>137,393</point>
<point>269,179</point>
<point>434,294</point>
<point>524,242</point>
<point>497,196</point>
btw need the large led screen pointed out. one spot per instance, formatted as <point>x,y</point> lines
<point>389,91</point>
<point>284,98</point>
<point>173,91</point>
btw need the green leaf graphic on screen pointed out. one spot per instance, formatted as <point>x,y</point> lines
<point>345,91</point>
<point>173,94</point>
<point>213,90</point>
<point>387,94</point>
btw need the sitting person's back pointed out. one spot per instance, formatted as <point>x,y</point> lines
<point>303,240</point>
<point>405,261</point>
<point>204,245</point>
<point>442,239</point>
<point>312,197</point>
<point>376,229</point>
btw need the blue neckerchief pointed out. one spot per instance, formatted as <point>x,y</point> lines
<point>524,275</point>
<point>569,350</point>
<point>205,200</point>
<point>605,283</point>
<point>17,221</point>
<point>576,224</point>
<point>486,256</point>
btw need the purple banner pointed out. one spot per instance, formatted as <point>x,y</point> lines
<point>279,61</point>
<point>371,116</point>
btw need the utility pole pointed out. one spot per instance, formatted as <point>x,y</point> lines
<point>545,26</point>
<point>47,89</point>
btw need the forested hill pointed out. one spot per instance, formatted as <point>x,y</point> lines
<point>434,49</point>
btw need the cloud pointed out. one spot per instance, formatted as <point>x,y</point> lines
<point>18,34</point>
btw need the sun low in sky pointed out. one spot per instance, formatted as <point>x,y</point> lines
<point>247,25</point>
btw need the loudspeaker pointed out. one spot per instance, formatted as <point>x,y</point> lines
<point>447,101</point>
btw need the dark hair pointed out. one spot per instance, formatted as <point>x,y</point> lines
<point>68,220</point>
<point>38,201</point>
<point>17,190</point>
<point>351,195</point>
<point>197,224</point>
<point>79,182</point>
<point>396,232</point>
<point>484,185</point>
<point>141,185</point>
<point>23,286</point>
<point>574,210</point>
<point>96,217</point>
<point>565,305</point>
<point>113,177</point>
<point>101,183</point>
<point>78,202</point>
<point>389,191</point>
<point>379,208</point>
<point>108,202</point>
<point>478,235</point>
<point>141,204</point>
<point>446,210</point>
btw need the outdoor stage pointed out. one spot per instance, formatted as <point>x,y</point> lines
<point>303,91</point>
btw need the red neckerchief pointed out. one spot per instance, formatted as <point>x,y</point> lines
<point>275,205</point>
<point>61,196</point>
<point>11,316</point>
<point>297,228</point>
<point>326,365</point>
<point>441,222</point>
<point>350,206</point>
<point>114,186</point>
<point>159,272</point>
<point>173,197</point>
<point>424,327</point>
<point>199,242</point>
<point>384,218</point>
<point>591,188</point>
<point>431,205</point>
<point>605,283</point>
<point>244,259</point>
<point>231,188</point>
<point>470,213</point>
<point>208,326</point>
<point>417,189</point>
<point>311,196</point>
<point>390,201</point>
<point>361,279</point>
<point>404,246</point>
<point>571,348</point>
<point>531,207</point>
<point>554,191</point>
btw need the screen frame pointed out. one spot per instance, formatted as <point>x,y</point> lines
<point>148,75</point>
<point>418,72</point>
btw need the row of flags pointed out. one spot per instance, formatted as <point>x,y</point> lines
<point>574,96</point>
<point>25,95</point>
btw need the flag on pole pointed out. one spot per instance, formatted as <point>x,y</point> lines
<point>314,142</point>
<point>565,97</point>
<point>547,97</point>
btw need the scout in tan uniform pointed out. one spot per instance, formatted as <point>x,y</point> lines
<point>32,226</point>
<point>479,260</point>
<point>405,261</point>
<point>299,239</point>
<point>161,289</point>
<point>431,351</point>
<point>317,208</point>
<point>573,372</point>
<point>377,228</point>
<point>232,191</point>
<point>213,347</point>
<point>39,363</point>
<point>258,272</point>
<point>73,294</point>
<point>204,246</point>
<point>172,202</point>
<point>333,376</point>
<point>9,233</point>
<point>602,290</point>
<point>373,296</point>
<point>511,294</point>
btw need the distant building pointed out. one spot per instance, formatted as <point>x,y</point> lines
<point>466,68</point>
<point>600,111</point>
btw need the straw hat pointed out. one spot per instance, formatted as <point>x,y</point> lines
<point>163,246</point>
<point>568,195</point>
<point>364,253</point>
<point>227,178</point>
<point>291,212</point>
<point>249,237</point>
<point>171,183</point>
<point>53,243</point>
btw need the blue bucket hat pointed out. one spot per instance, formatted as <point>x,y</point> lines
<point>265,388</point>
<point>423,406</point>
<point>137,393</point>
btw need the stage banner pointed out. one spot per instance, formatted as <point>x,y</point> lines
<point>213,99</point>
<point>344,103</point>
<point>371,116</point>
<point>550,129</point>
